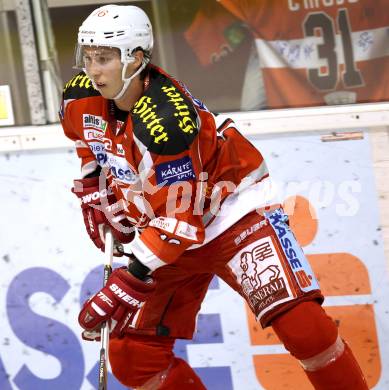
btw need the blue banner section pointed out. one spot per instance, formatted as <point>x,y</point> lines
<point>42,333</point>
<point>4,377</point>
<point>209,331</point>
<point>113,383</point>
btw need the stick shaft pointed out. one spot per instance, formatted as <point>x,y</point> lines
<point>108,255</point>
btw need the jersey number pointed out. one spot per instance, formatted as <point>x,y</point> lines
<point>351,76</point>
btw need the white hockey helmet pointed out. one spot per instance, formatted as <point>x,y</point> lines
<point>125,27</point>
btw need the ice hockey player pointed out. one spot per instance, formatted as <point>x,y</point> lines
<point>155,158</point>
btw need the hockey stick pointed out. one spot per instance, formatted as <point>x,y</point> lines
<point>103,372</point>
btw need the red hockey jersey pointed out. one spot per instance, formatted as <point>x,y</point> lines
<point>311,52</point>
<point>182,177</point>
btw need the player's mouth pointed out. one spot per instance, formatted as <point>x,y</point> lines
<point>100,85</point>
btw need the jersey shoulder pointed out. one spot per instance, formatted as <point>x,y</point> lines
<point>79,87</point>
<point>165,119</point>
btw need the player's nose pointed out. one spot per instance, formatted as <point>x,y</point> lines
<point>94,70</point>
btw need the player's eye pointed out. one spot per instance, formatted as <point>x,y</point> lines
<point>87,59</point>
<point>102,59</point>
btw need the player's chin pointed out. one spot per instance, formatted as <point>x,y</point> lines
<point>106,92</point>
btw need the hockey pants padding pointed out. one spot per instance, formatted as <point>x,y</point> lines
<point>148,362</point>
<point>179,376</point>
<point>312,337</point>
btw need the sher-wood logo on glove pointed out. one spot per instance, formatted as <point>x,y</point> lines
<point>86,199</point>
<point>119,303</point>
<point>124,296</point>
<point>100,208</point>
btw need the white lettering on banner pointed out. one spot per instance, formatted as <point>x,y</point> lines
<point>186,230</point>
<point>124,296</point>
<point>94,122</point>
<point>164,223</point>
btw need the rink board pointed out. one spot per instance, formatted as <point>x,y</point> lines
<point>48,266</point>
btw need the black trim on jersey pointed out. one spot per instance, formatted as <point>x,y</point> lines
<point>164,118</point>
<point>117,113</point>
<point>80,86</point>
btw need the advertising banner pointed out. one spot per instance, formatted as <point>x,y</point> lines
<point>49,266</point>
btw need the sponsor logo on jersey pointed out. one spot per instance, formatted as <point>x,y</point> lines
<point>144,109</point>
<point>96,147</point>
<point>81,80</point>
<point>186,230</point>
<point>107,144</point>
<point>99,151</point>
<point>164,223</point>
<point>93,134</point>
<point>260,272</point>
<point>292,250</point>
<point>272,288</point>
<point>120,150</point>
<point>94,122</point>
<point>174,171</point>
<point>165,119</point>
<point>118,165</point>
<point>120,169</point>
<point>101,158</point>
<point>249,231</point>
<point>185,121</point>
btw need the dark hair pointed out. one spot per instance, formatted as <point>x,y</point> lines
<point>147,54</point>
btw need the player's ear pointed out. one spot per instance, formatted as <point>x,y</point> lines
<point>138,57</point>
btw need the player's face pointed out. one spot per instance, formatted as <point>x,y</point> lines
<point>104,67</point>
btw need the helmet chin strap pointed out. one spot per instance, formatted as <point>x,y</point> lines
<point>127,81</point>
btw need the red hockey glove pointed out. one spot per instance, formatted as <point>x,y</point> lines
<point>98,210</point>
<point>119,303</point>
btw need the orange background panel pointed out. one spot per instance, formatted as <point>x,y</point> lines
<point>280,371</point>
<point>340,274</point>
<point>357,326</point>
<point>302,218</point>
